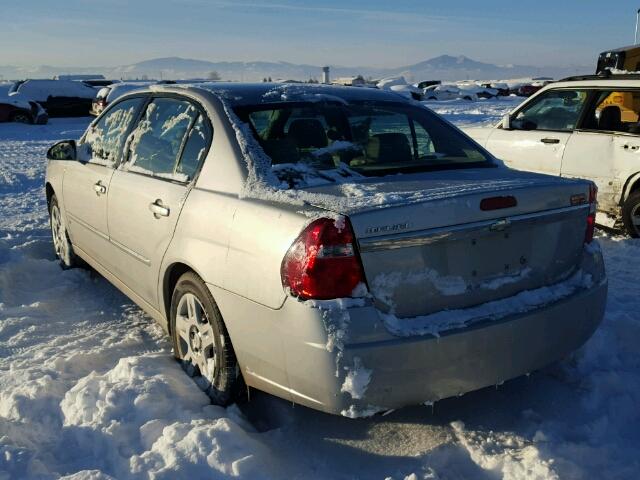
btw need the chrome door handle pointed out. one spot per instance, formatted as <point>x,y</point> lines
<point>158,209</point>
<point>99,188</point>
<point>550,140</point>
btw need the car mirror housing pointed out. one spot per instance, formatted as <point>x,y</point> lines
<point>506,122</point>
<point>64,150</point>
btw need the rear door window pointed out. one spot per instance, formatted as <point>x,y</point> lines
<point>195,148</point>
<point>614,111</point>
<point>158,140</point>
<point>103,141</point>
<point>555,110</point>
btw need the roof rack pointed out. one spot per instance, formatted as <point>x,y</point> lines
<point>605,75</point>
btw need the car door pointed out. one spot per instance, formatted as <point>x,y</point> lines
<point>539,132</point>
<point>86,182</point>
<point>606,146</point>
<point>150,187</point>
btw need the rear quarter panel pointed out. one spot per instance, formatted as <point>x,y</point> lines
<point>232,241</point>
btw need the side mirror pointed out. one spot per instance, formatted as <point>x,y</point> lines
<point>506,122</point>
<point>65,150</point>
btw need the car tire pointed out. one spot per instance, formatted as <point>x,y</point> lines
<point>21,117</point>
<point>631,214</point>
<point>61,243</point>
<point>201,341</point>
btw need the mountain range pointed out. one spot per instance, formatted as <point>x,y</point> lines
<point>444,67</point>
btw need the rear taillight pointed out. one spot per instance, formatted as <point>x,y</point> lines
<point>322,263</point>
<point>591,218</point>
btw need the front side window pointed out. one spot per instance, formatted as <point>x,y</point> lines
<point>157,141</point>
<point>614,111</point>
<point>365,138</point>
<point>103,141</point>
<point>557,110</point>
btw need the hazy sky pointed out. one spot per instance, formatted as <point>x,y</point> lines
<point>347,32</point>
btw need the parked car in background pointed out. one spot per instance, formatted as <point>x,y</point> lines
<point>408,91</point>
<point>528,89</point>
<point>477,89</point>
<point>427,83</point>
<point>60,98</point>
<point>620,59</point>
<point>501,88</point>
<point>447,92</point>
<point>354,254</point>
<point>16,108</point>
<point>584,127</point>
<point>21,111</point>
<point>109,93</point>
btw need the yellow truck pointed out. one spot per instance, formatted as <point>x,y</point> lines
<point>625,58</point>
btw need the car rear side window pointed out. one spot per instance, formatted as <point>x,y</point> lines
<point>103,142</point>
<point>157,141</point>
<point>556,110</point>
<point>614,111</point>
<point>195,148</point>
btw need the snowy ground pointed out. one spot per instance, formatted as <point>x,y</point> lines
<point>88,389</point>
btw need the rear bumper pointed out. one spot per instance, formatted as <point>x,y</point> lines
<point>417,370</point>
<point>304,352</point>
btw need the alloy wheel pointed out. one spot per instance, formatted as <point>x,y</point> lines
<point>196,338</point>
<point>59,234</point>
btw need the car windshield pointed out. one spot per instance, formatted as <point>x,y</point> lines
<point>367,138</point>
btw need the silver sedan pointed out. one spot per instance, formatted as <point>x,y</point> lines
<point>342,248</point>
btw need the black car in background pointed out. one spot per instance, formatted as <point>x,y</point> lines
<point>60,98</point>
<point>12,110</point>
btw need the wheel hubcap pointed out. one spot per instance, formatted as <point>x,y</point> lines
<point>196,339</point>
<point>58,233</point>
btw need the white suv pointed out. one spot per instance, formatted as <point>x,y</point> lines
<point>585,127</point>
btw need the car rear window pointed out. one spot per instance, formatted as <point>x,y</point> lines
<point>370,139</point>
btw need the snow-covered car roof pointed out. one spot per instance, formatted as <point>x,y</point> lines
<point>447,88</point>
<point>41,90</point>
<point>118,89</point>
<point>15,99</point>
<point>238,94</point>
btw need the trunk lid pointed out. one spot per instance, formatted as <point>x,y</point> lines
<point>426,245</point>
